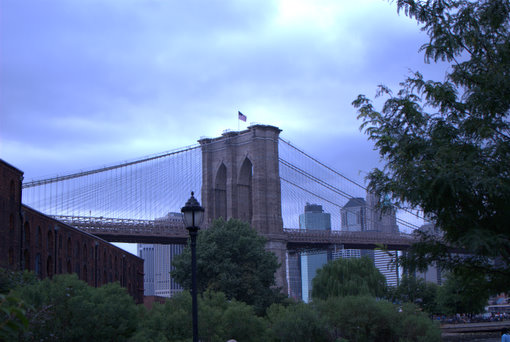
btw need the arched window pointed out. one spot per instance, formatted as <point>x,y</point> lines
<point>49,241</point>
<point>116,269</point>
<point>85,251</point>
<point>26,233</point>
<point>12,189</point>
<point>69,248</point>
<point>220,192</point>
<point>244,192</point>
<point>49,267</point>
<point>68,267</point>
<point>77,250</point>
<point>85,274</point>
<point>26,257</point>
<point>11,256</point>
<point>38,265</point>
<point>38,237</point>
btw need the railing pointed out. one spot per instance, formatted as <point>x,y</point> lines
<point>108,225</point>
<point>174,227</point>
<point>340,237</point>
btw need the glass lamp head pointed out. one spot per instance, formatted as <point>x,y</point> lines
<point>193,213</point>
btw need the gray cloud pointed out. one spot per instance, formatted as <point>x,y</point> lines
<point>93,82</point>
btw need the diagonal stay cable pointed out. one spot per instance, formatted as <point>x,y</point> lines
<point>329,187</point>
<point>107,168</point>
<point>341,175</point>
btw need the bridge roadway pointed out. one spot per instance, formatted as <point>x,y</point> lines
<point>173,232</point>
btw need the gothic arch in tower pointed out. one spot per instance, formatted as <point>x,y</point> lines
<point>220,192</point>
<point>244,191</point>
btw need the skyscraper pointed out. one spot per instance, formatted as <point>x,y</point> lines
<point>360,215</point>
<point>158,264</point>
<point>314,218</point>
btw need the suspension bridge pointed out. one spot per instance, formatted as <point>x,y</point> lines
<point>252,175</point>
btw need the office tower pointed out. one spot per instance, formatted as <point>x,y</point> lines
<point>433,273</point>
<point>360,215</point>
<point>314,218</point>
<point>146,252</point>
<point>158,264</point>
<point>294,275</point>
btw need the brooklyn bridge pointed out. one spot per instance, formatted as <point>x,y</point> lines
<point>252,175</point>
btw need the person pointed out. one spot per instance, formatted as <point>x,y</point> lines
<point>505,335</point>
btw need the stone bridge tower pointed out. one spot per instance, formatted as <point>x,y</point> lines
<point>240,179</point>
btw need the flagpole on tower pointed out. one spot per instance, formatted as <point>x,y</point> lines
<point>240,117</point>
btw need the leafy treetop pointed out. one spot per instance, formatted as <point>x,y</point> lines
<point>446,144</point>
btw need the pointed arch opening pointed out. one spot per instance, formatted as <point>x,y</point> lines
<point>220,192</point>
<point>244,191</point>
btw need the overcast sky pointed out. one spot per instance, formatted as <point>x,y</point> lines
<point>92,82</point>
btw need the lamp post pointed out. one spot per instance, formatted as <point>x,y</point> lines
<point>193,214</point>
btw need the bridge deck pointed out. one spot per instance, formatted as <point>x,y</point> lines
<point>173,232</point>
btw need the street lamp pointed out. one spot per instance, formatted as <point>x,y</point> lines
<point>193,214</point>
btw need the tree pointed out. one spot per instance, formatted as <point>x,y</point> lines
<point>219,320</point>
<point>13,320</point>
<point>348,277</point>
<point>66,308</point>
<point>446,144</point>
<point>417,291</point>
<point>295,323</point>
<point>363,318</point>
<point>231,258</point>
<point>458,296</point>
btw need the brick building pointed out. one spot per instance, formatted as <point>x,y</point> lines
<point>30,240</point>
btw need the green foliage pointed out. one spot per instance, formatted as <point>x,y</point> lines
<point>417,291</point>
<point>66,308</point>
<point>13,320</point>
<point>231,258</point>
<point>12,279</point>
<point>348,277</point>
<point>414,325</point>
<point>219,319</point>
<point>368,319</point>
<point>447,143</point>
<point>458,296</point>
<point>360,318</point>
<point>167,322</point>
<point>295,323</point>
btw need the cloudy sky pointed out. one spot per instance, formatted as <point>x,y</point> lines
<point>92,82</point>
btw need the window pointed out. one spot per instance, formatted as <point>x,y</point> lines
<point>38,266</point>
<point>49,241</point>
<point>85,251</point>
<point>12,189</point>
<point>11,256</point>
<point>85,274</point>
<point>26,257</point>
<point>26,233</point>
<point>69,248</point>
<point>38,240</point>
<point>77,250</point>
<point>49,267</point>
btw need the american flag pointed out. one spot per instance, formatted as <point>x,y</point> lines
<point>241,116</point>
